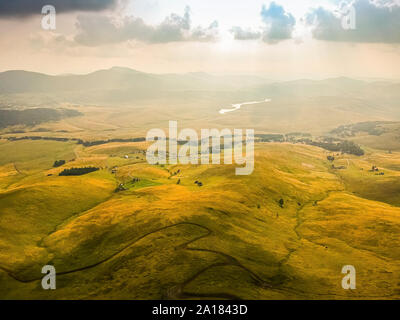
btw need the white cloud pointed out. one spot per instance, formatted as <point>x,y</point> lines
<point>244,34</point>
<point>98,30</point>
<point>377,21</point>
<point>279,24</point>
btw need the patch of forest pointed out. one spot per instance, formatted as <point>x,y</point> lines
<point>98,142</point>
<point>78,141</point>
<point>343,146</point>
<point>373,128</point>
<point>77,171</point>
<point>327,143</point>
<point>270,137</point>
<point>34,116</point>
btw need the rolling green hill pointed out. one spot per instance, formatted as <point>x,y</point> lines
<point>131,230</point>
<point>160,240</point>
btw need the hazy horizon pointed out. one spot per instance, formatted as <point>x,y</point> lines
<point>289,39</point>
<point>216,74</point>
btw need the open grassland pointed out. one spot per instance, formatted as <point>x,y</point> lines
<point>382,185</point>
<point>230,238</point>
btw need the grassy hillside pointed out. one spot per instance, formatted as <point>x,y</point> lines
<point>131,230</point>
<point>161,240</point>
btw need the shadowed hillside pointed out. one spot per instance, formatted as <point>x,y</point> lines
<point>31,117</point>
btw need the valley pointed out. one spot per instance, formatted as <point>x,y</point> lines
<point>78,193</point>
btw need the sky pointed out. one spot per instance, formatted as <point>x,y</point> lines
<point>281,39</point>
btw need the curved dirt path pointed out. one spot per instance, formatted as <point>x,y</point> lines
<point>178,291</point>
<point>109,257</point>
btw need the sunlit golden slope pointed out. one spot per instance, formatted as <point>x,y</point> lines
<point>229,238</point>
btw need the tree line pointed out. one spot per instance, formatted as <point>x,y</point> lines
<point>77,171</point>
<point>34,116</point>
<point>78,141</point>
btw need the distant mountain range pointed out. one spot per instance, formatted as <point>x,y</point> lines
<point>117,78</point>
<point>118,86</point>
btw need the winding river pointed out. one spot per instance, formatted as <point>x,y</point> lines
<point>237,106</point>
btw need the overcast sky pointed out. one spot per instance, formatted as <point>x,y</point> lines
<point>282,39</point>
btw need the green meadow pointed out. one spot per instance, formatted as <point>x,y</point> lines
<point>283,232</point>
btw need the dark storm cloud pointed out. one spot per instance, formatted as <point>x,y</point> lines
<point>23,8</point>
